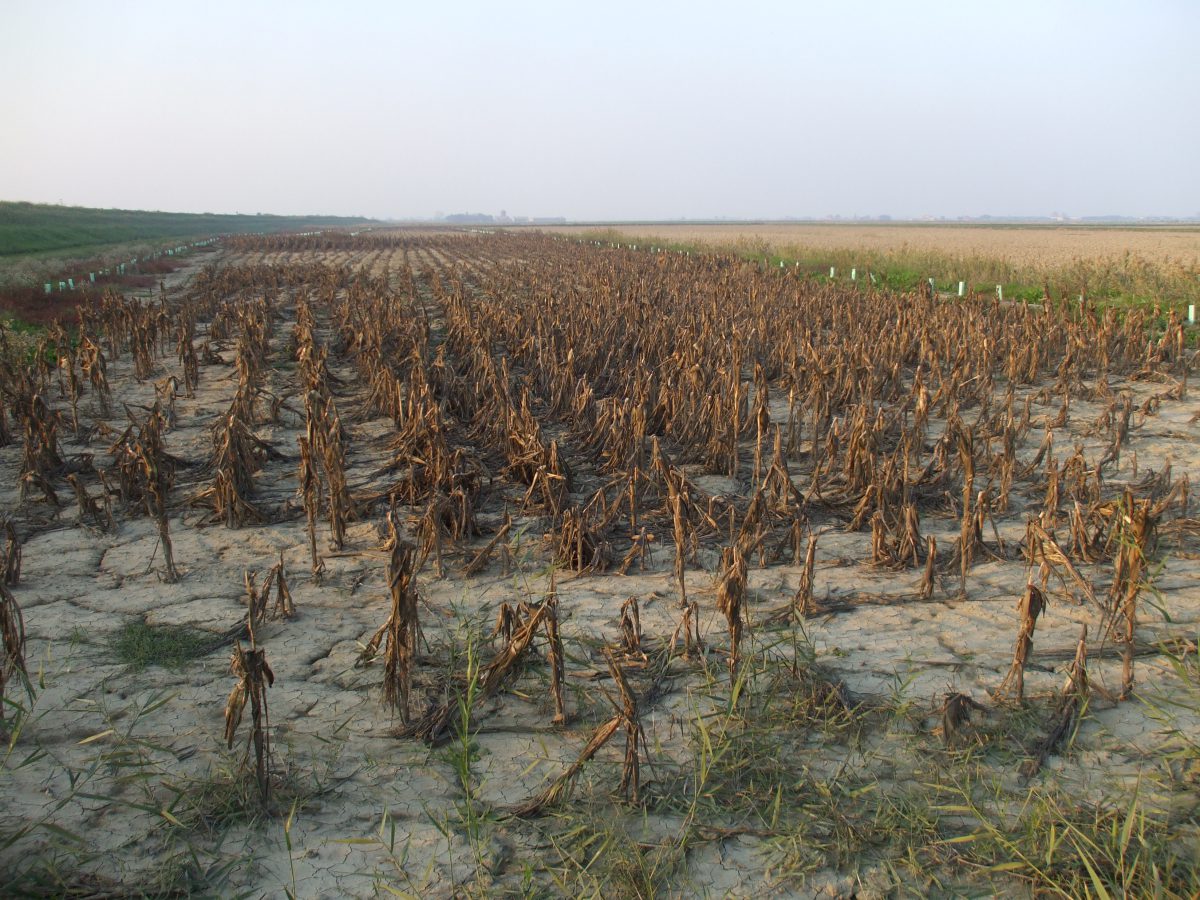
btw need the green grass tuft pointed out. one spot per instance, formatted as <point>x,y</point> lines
<point>139,644</point>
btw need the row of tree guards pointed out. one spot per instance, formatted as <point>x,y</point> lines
<point>962,285</point>
<point>68,284</point>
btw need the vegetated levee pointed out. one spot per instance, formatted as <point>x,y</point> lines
<point>595,571</point>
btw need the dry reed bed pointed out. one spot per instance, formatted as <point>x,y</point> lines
<point>1146,261</point>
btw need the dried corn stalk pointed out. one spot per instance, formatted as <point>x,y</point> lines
<point>237,455</point>
<point>503,664</point>
<point>627,717</point>
<point>578,545</point>
<point>688,631</point>
<point>1042,547</point>
<point>555,654</point>
<point>956,716</point>
<point>12,629</point>
<point>41,460</point>
<point>1071,704</point>
<point>507,620</point>
<point>285,607</point>
<point>639,550</point>
<point>399,634</point>
<point>254,677</point>
<point>731,598</point>
<point>432,726</point>
<point>681,527</point>
<point>635,738</point>
<point>930,575</point>
<point>10,565</point>
<point>1134,530</point>
<point>90,508</point>
<point>310,489</point>
<point>1031,606</point>
<point>477,564</point>
<point>803,603</point>
<point>255,600</point>
<point>157,482</point>
<point>558,789</point>
<point>631,629</point>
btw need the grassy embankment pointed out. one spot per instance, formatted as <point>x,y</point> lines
<point>38,229</point>
<point>42,244</point>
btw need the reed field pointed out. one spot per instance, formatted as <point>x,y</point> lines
<point>518,564</point>
<point>1151,263</point>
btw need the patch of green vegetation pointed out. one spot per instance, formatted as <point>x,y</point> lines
<point>62,872</point>
<point>227,796</point>
<point>27,228</point>
<point>17,326</point>
<point>140,644</point>
<point>602,853</point>
<point>816,782</point>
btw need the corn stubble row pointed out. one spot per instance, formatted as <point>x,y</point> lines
<point>586,391</point>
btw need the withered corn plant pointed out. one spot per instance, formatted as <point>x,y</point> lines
<point>640,550</point>
<point>157,483</point>
<point>145,473</point>
<point>398,636</point>
<point>525,623</point>
<point>1072,702</point>
<point>507,619</point>
<point>189,361</point>
<point>310,492</point>
<point>41,460</point>
<point>554,654</point>
<point>579,545</point>
<point>481,558</point>
<point>687,631</point>
<point>1044,549</point>
<point>96,510</point>
<point>12,630</point>
<point>731,599</point>
<point>803,603</point>
<point>256,600</point>
<point>284,607</point>
<point>237,455</point>
<point>631,630</point>
<point>1031,606</point>
<point>929,577</point>
<point>254,676</point>
<point>635,737</point>
<point>503,665</point>
<point>1134,532</point>
<point>626,717</point>
<point>324,439</point>
<point>956,716</point>
<point>95,370</point>
<point>10,564</point>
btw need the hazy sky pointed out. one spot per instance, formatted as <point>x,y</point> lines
<point>607,110</point>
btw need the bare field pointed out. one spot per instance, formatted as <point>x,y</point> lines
<point>449,565</point>
<point>1033,246</point>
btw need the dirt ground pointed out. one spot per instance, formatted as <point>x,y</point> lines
<point>119,778</point>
